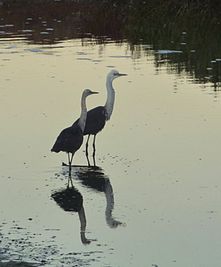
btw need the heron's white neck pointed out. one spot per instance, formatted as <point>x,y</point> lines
<point>83,223</point>
<point>83,117</point>
<point>110,205</point>
<point>110,201</point>
<point>109,106</point>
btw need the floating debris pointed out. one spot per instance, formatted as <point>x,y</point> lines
<point>35,50</point>
<point>165,52</point>
<point>27,31</point>
<point>44,33</point>
<point>49,29</point>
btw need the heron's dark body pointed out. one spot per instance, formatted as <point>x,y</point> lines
<point>95,122</point>
<point>93,178</point>
<point>69,199</point>
<point>69,140</point>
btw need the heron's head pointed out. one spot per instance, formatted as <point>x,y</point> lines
<point>113,74</point>
<point>88,92</point>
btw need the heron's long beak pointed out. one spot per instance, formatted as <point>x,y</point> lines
<point>93,92</point>
<point>122,74</point>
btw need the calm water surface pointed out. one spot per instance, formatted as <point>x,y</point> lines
<point>155,198</point>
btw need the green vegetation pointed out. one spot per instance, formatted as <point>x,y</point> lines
<point>172,7</point>
<point>192,27</point>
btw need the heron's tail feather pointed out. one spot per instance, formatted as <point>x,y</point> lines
<point>55,149</point>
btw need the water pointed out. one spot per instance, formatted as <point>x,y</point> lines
<point>154,200</point>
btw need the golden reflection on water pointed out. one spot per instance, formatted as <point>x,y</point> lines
<point>160,151</point>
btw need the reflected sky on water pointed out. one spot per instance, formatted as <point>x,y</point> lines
<point>154,200</point>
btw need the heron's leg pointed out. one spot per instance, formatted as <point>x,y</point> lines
<point>70,180</point>
<point>68,158</point>
<point>72,155</point>
<point>86,152</point>
<point>69,166</point>
<point>94,150</point>
<point>69,173</point>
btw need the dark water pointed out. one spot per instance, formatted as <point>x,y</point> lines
<point>188,45</point>
<point>154,199</point>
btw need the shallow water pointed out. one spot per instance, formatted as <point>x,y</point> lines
<point>153,201</point>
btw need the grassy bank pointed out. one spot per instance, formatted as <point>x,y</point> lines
<point>186,26</point>
<point>173,7</point>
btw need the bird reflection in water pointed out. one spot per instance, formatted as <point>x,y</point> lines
<point>71,200</point>
<point>95,179</point>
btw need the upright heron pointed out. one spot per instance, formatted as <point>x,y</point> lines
<point>97,117</point>
<point>70,139</point>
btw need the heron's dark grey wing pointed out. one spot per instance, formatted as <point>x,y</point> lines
<point>96,119</point>
<point>69,199</point>
<point>69,140</point>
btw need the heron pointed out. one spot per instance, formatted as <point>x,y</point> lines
<point>98,181</point>
<point>97,117</point>
<point>70,139</point>
<point>71,200</point>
